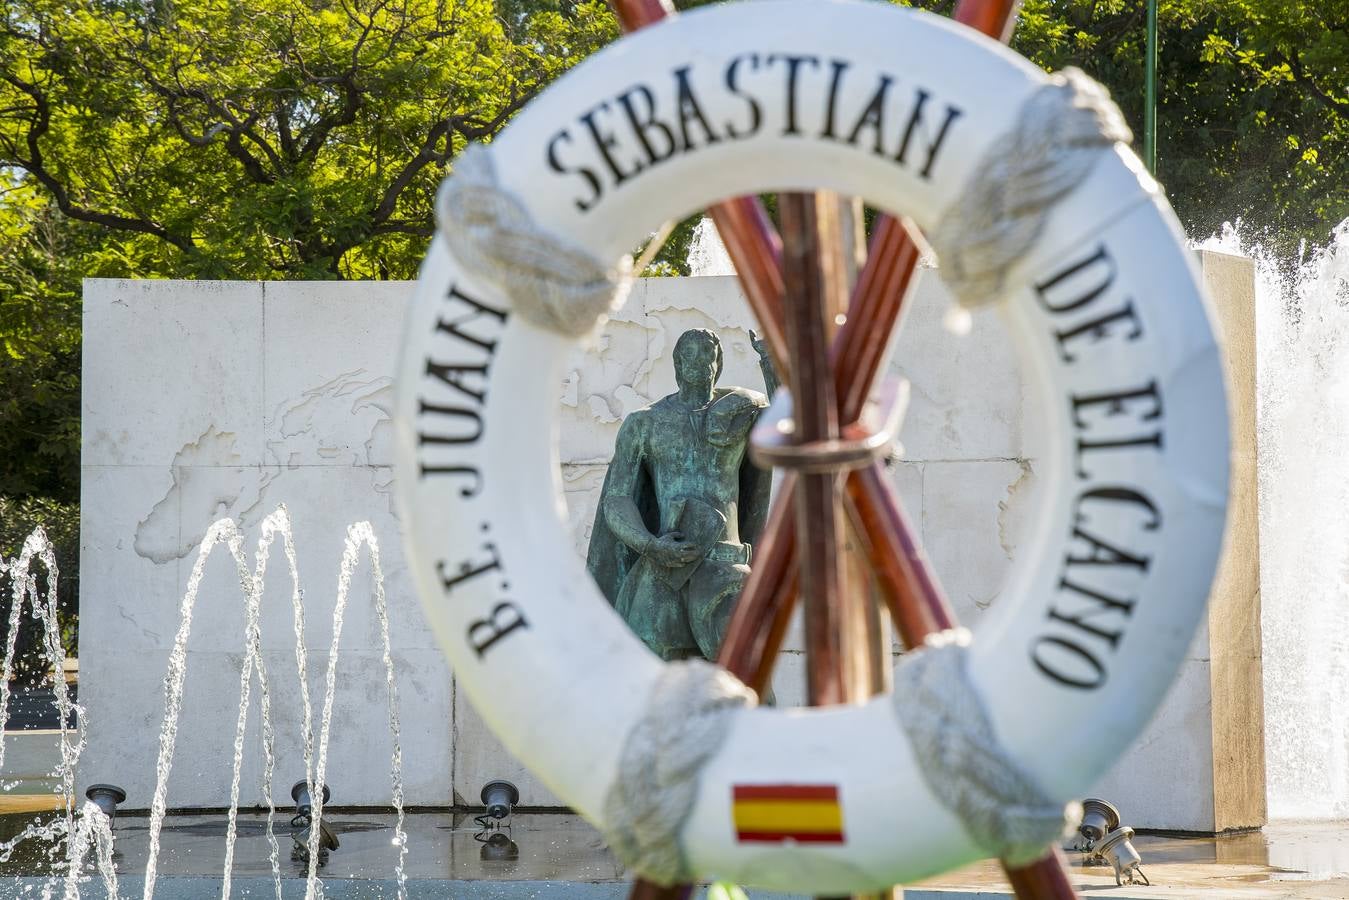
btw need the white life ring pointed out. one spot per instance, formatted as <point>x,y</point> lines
<point>1105,310</point>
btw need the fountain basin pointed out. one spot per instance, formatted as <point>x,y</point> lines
<point>561,856</point>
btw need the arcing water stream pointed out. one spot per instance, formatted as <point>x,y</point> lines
<point>92,826</point>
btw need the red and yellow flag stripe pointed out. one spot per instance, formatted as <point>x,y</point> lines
<point>776,813</point>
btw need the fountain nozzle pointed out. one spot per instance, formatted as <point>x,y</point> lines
<point>106,797</point>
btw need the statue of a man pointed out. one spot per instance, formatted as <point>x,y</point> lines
<point>682,505</point>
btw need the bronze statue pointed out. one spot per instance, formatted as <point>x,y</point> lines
<point>682,505</point>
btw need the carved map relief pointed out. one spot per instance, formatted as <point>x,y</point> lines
<point>342,421</point>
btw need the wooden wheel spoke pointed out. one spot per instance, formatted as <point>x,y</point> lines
<point>756,251</point>
<point>859,347</point>
<point>811,267</point>
<point>917,605</point>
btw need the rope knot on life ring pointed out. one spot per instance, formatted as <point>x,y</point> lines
<point>686,722</point>
<point>553,282</point>
<point>1060,133</point>
<point>1003,808</point>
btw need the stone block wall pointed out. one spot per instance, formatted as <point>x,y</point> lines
<point>205,400</point>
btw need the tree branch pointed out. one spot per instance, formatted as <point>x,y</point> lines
<point>467,126</point>
<point>351,103</point>
<point>34,164</point>
<point>1334,104</point>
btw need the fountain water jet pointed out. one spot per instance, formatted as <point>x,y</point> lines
<point>357,534</point>
<point>226,531</point>
<point>92,828</point>
<point>707,254</point>
<point>1302,322</point>
<point>37,548</point>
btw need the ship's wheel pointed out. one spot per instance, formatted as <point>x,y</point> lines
<point>1036,206</point>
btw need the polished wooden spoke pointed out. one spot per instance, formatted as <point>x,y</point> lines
<point>860,345</point>
<point>756,251</point>
<point>635,14</point>
<point>995,18</point>
<point>811,267</point>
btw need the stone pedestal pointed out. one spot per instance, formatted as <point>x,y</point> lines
<point>1200,764</point>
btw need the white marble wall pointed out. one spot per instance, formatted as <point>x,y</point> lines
<point>210,399</point>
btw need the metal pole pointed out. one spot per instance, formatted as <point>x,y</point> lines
<point>1150,92</point>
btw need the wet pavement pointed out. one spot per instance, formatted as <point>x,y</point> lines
<point>559,855</point>
<point>1284,860</point>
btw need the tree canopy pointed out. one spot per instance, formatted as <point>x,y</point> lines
<point>1253,102</point>
<point>282,139</point>
<point>269,139</point>
<point>275,139</point>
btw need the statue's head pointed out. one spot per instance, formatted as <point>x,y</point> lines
<point>697,358</point>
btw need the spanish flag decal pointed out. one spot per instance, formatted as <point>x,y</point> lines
<point>777,813</point>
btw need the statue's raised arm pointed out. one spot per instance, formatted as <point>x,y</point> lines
<point>770,374</point>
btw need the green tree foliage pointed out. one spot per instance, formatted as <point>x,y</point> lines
<point>39,348</point>
<point>1253,112</point>
<point>222,139</point>
<point>269,139</point>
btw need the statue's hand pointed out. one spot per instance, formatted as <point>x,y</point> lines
<point>671,550</point>
<point>759,344</point>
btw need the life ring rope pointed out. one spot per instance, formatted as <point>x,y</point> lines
<point>1060,133</point>
<point>690,712</point>
<point>966,767</point>
<point>554,283</point>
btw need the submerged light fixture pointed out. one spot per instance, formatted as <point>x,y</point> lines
<point>106,797</point>
<point>494,826</point>
<point>303,823</point>
<point>499,847</point>
<point>304,803</point>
